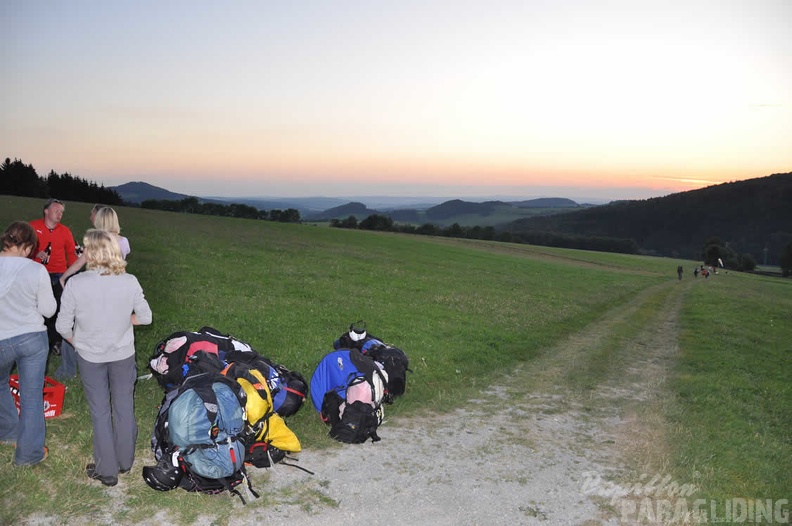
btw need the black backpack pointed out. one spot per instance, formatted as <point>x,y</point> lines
<point>358,422</point>
<point>175,357</point>
<point>396,364</point>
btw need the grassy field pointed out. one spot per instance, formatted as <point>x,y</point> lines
<point>732,382</point>
<point>462,310</point>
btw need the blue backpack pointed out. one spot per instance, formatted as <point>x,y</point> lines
<point>348,390</point>
<point>198,437</point>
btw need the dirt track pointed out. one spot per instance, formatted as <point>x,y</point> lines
<point>527,451</point>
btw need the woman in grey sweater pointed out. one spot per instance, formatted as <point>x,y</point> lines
<point>25,300</point>
<point>98,310</point>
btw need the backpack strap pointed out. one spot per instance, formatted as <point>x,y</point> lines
<point>235,491</point>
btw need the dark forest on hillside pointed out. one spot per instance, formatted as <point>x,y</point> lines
<point>18,178</point>
<point>752,216</point>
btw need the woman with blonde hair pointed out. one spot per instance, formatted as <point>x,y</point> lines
<point>26,298</point>
<point>99,308</point>
<point>103,218</point>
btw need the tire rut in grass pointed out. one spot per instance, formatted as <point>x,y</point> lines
<point>619,423</point>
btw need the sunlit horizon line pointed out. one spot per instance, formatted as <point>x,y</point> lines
<point>688,181</point>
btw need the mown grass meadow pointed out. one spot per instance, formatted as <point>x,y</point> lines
<point>733,388</point>
<point>463,311</point>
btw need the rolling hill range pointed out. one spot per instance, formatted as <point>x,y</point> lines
<point>463,213</point>
<point>752,216</point>
<point>138,191</point>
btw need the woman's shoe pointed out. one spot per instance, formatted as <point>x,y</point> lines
<point>90,470</point>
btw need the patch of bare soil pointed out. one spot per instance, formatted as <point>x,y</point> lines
<point>529,450</point>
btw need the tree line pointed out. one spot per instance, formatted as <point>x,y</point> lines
<point>193,205</point>
<point>18,178</point>
<point>714,251</point>
<point>489,233</point>
<point>751,221</point>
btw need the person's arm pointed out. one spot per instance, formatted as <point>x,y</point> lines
<point>45,302</point>
<point>123,243</point>
<point>142,311</point>
<point>64,324</point>
<point>76,266</point>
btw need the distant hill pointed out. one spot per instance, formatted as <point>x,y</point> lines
<point>307,206</point>
<point>488,213</point>
<point>138,191</point>
<point>464,213</point>
<point>359,210</point>
<point>546,202</point>
<point>458,207</point>
<point>751,216</point>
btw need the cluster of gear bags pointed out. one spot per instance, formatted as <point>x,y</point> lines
<point>225,404</point>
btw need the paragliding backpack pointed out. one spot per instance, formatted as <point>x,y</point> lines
<point>394,361</point>
<point>186,353</point>
<point>267,437</point>
<point>348,390</point>
<point>199,437</point>
<point>288,388</point>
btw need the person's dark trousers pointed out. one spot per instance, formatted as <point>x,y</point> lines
<point>109,390</point>
<point>54,338</point>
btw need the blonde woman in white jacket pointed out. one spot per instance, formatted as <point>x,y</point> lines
<point>99,308</point>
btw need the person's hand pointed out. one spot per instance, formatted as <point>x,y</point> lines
<point>41,256</point>
<point>62,281</point>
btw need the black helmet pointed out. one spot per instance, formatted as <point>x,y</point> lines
<point>162,477</point>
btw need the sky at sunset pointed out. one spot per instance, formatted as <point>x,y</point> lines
<point>531,98</point>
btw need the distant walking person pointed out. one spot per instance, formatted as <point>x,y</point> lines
<point>98,311</point>
<point>680,272</point>
<point>56,251</point>
<point>26,298</point>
